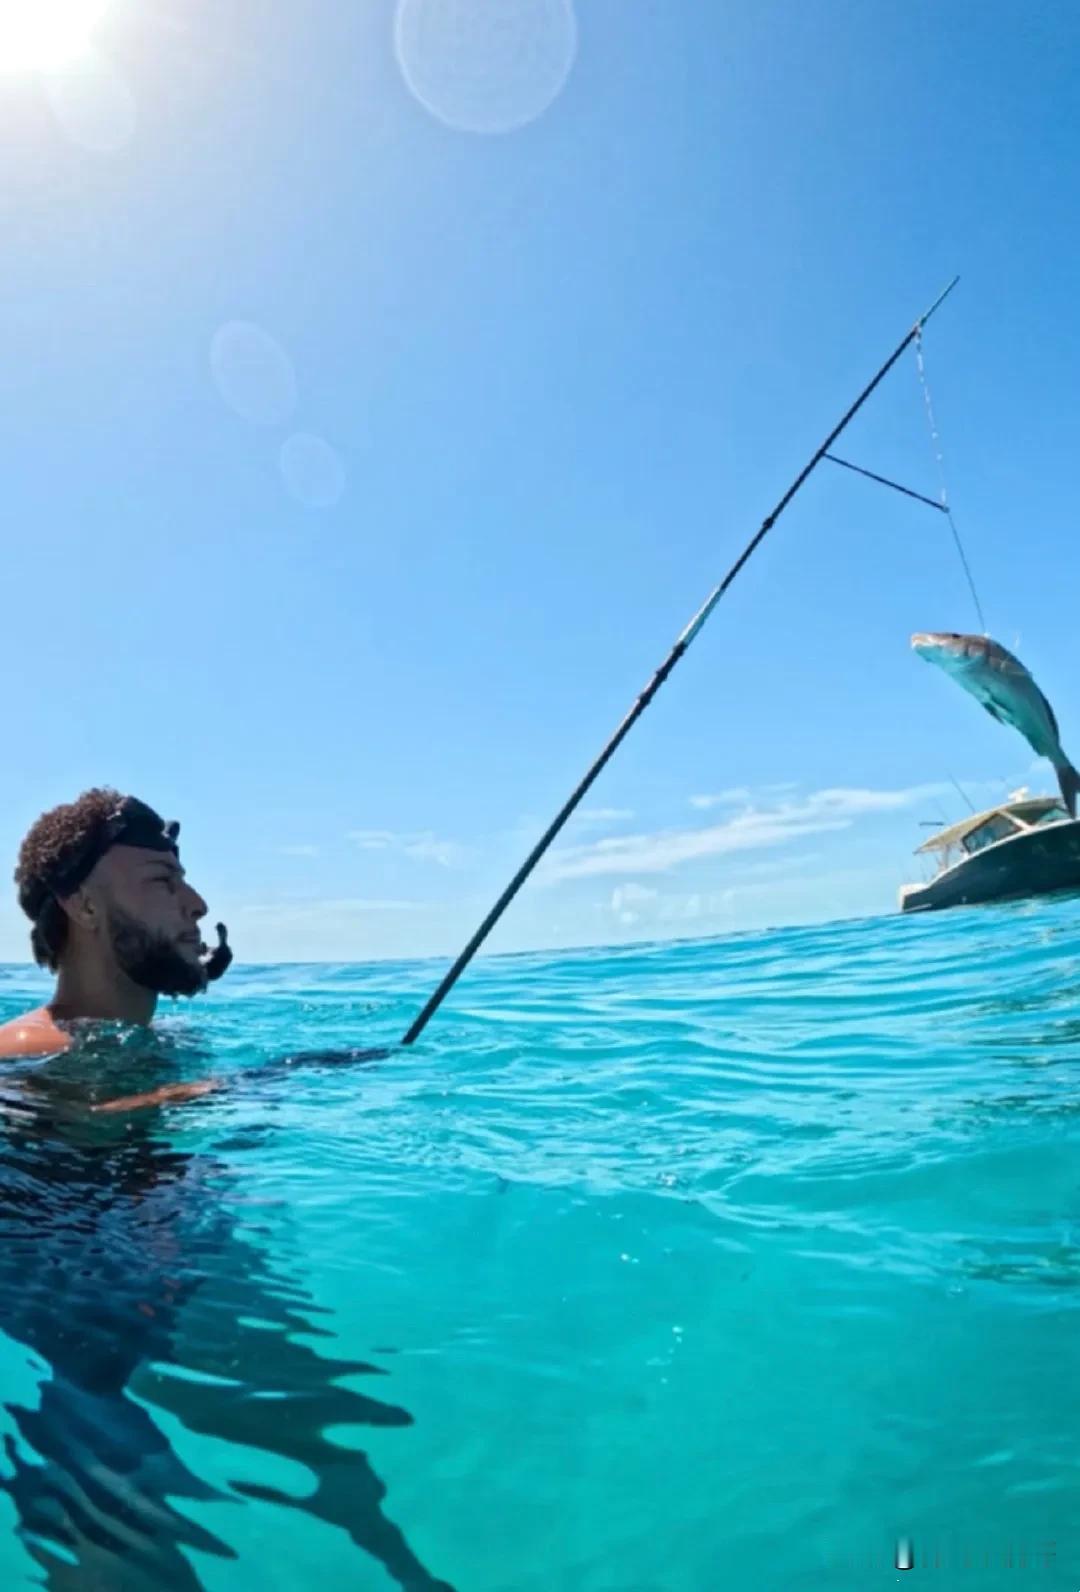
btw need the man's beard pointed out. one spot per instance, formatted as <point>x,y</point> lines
<point>152,960</point>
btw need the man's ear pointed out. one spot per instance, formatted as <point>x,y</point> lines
<point>81,911</point>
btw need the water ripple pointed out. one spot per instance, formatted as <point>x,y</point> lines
<point>704,1251</point>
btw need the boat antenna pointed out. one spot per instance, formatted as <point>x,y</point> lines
<point>452,975</point>
<point>962,792</point>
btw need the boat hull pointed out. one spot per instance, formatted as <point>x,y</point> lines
<point>1039,861</point>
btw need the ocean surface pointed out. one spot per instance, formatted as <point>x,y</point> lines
<point>723,1264</point>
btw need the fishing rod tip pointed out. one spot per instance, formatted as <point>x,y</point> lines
<point>942,296</point>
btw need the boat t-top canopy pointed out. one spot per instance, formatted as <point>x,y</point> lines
<point>1028,811</point>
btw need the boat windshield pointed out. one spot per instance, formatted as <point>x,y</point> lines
<point>996,828</point>
<point>1052,815</point>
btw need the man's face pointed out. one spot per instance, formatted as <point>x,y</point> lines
<point>151,915</point>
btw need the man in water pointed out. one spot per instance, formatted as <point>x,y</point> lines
<point>123,1266</point>
<point>115,919</point>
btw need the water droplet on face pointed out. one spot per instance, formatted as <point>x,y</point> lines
<point>486,66</point>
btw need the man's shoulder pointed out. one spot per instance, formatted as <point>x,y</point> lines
<point>33,1034</point>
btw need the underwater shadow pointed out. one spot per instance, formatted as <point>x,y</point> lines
<point>123,1268</point>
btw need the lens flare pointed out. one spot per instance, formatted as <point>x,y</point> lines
<point>40,35</point>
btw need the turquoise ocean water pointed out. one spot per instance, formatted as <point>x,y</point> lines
<point>722,1264</point>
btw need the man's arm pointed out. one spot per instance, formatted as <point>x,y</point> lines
<point>36,1035</point>
<point>169,1092</point>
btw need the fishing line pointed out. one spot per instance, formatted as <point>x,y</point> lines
<point>451,977</point>
<point>935,443</point>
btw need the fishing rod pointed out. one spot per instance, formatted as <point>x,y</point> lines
<point>436,999</point>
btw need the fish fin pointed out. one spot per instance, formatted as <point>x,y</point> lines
<point>995,712</point>
<point>1052,716</point>
<point>1069,780</point>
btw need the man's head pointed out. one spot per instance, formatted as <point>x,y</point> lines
<point>100,877</point>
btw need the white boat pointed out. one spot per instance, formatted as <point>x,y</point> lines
<point>1027,846</point>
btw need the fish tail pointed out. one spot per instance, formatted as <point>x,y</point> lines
<point>1069,780</point>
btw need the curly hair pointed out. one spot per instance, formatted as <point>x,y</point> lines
<point>53,844</point>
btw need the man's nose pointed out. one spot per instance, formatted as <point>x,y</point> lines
<point>194,905</point>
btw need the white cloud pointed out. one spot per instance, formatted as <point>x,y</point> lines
<point>700,905</point>
<point>424,846</point>
<point>597,817</point>
<point>372,839</point>
<point>753,829</point>
<point>856,802</point>
<point>725,798</point>
<point>625,898</point>
<point>633,903</point>
<point>631,892</point>
<point>298,851</point>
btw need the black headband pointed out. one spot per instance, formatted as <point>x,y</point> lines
<point>132,823</point>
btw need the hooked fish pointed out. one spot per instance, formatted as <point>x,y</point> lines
<point>1008,693</point>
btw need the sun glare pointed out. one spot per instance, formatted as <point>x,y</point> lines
<point>39,35</point>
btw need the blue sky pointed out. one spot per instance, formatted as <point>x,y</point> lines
<point>383,390</point>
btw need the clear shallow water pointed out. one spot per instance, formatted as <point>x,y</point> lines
<point>722,1264</point>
